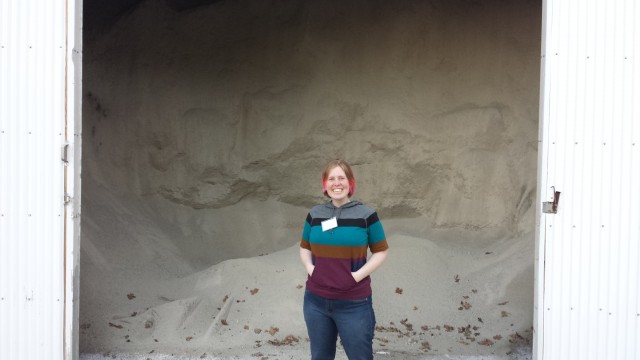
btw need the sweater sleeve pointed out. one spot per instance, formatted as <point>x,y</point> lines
<point>377,238</point>
<point>304,242</point>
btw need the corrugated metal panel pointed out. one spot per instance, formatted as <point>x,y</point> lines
<point>33,110</point>
<point>587,305</point>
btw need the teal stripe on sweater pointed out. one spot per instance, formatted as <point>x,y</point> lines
<point>340,236</point>
<point>376,232</point>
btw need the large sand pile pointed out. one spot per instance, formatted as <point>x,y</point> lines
<point>205,131</point>
<point>432,298</point>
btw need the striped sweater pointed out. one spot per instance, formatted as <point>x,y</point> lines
<point>339,251</point>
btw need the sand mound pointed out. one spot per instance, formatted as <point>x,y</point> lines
<point>430,297</point>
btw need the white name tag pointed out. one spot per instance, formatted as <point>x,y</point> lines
<point>329,224</point>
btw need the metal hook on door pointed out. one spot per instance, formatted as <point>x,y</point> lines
<point>551,207</point>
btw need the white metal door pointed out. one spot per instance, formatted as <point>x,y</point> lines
<point>39,114</point>
<point>587,257</point>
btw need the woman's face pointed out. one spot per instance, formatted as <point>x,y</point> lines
<point>337,186</point>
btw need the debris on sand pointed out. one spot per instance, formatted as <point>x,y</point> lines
<point>273,330</point>
<point>288,340</point>
<point>425,346</point>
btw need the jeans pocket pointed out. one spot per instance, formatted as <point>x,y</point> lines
<point>358,301</point>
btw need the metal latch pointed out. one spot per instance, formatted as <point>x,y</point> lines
<point>67,199</point>
<point>551,207</point>
<point>65,154</point>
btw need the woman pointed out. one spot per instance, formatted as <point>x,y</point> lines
<point>333,250</point>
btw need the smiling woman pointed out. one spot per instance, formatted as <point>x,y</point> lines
<point>333,250</point>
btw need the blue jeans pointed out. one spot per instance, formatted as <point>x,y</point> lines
<point>353,320</point>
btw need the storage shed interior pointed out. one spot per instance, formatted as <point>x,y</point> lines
<point>206,125</point>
